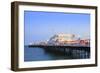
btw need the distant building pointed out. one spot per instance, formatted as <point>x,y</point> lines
<point>43,43</point>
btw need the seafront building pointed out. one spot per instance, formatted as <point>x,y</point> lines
<point>63,39</point>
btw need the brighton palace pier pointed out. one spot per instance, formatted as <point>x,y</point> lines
<point>64,43</point>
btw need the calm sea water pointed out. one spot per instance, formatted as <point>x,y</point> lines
<point>39,54</point>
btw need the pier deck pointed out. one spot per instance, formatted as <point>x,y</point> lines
<point>50,47</point>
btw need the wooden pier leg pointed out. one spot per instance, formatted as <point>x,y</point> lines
<point>64,51</point>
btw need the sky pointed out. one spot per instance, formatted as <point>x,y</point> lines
<point>40,26</point>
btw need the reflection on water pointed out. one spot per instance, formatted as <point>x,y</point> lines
<point>39,54</point>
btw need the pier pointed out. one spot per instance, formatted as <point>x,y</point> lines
<point>65,44</point>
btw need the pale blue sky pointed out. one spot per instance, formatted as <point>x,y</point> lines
<point>40,26</point>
